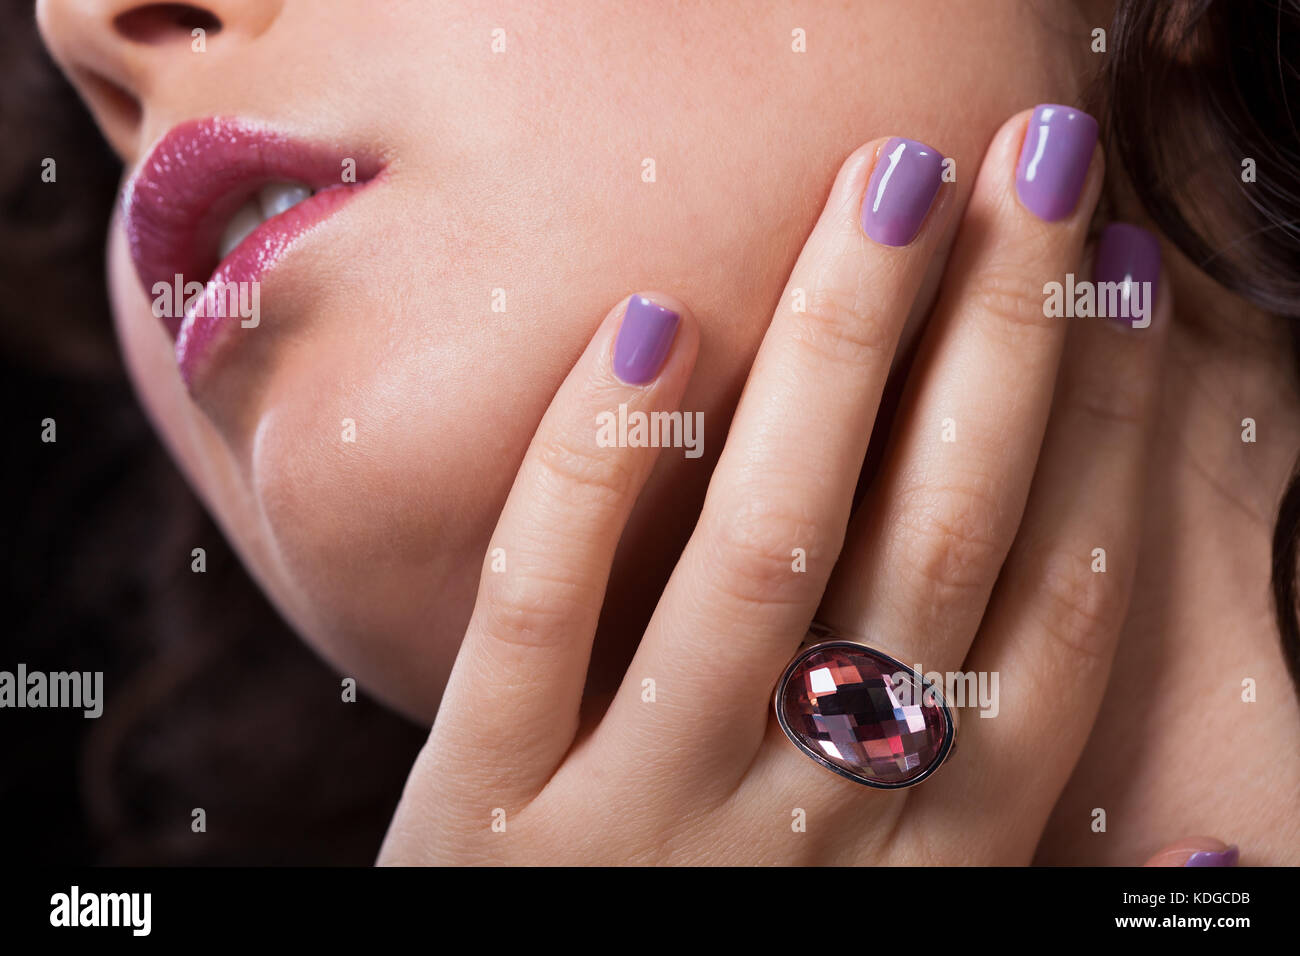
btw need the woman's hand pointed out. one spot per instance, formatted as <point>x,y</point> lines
<point>977,548</point>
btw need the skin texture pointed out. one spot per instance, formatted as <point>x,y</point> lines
<point>522,171</point>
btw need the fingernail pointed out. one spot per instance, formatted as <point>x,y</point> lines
<point>901,190</point>
<point>1054,160</point>
<point>1129,257</point>
<point>643,340</point>
<point>1226,857</point>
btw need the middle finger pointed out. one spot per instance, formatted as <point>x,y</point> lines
<point>753,572</point>
<point>926,545</point>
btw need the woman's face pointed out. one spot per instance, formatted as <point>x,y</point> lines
<point>518,171</point>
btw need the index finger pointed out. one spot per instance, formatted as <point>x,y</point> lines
<point>515,691</point>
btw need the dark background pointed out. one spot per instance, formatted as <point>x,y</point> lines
<point>209,700</point>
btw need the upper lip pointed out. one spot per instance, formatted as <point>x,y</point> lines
<point>197,176</point>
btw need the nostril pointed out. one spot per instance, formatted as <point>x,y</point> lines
<point>160,22</point>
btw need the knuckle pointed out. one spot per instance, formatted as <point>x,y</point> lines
<point>950,544</point>
<point>527,608</point>
<point>754,543</point>
<point>1011,301</point>
<point>583,475</point>
<point>839,327</point>
<point>1080,609</point>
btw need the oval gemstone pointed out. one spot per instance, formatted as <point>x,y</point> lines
<point>865,713</point>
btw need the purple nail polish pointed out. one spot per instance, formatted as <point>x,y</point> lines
<point>643,340</point>
<point>1054,160</point>
<point>1129,257</point>
<point>1226,857</point>
<point>901,190</point>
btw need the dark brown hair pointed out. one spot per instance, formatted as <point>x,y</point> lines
<point>1195,89</point>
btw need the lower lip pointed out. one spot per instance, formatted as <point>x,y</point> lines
<point>209,326</point>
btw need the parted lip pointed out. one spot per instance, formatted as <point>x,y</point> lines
<point>177,204</point>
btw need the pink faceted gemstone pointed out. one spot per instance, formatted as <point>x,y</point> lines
<point>864,713</point>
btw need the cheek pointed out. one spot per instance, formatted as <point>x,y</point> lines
<point>383,445</point>
<point>379,476</point>
<point>364,495</point>
<point>347,478</point>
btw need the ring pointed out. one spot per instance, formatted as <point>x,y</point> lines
<point>863,714</point>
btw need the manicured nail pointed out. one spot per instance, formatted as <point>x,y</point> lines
<point>1054,160</point>
<point>901,190</point>
<point>1226,857</point>
<point>643,340</point>
<point>1129,257</point>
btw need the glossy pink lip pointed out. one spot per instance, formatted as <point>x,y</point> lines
<point>179,201</point>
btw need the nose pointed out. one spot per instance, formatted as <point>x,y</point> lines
<point>121,55</point>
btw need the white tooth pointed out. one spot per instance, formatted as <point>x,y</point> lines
<point>248,218</point>
<point>275,198</point>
